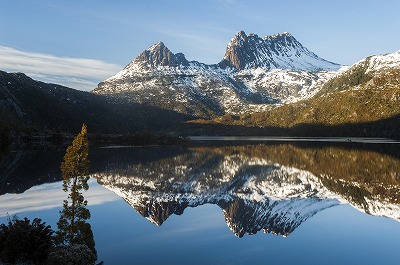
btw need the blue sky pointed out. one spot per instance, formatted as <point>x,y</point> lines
<point>90,40</point>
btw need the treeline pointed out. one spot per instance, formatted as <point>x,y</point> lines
<point>138,139</point>
<point>31,138</point>
<point>387,128</point>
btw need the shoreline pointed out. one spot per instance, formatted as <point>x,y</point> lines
<point>365,140</point>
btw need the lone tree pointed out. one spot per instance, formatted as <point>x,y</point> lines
<point>72,226</point>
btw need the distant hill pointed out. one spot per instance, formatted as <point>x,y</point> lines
<point>26,103</point>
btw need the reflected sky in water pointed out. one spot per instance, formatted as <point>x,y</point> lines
<point>48,196</point>
<point>340,234</point>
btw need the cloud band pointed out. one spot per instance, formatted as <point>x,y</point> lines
<point>78,73</point>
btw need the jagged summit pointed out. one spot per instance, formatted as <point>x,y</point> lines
<point>279,35</point>
<point>158,55</point>
<point>285,40</point>
<point>158,45</point>
<point>279,51</point>
<point>241,50</point>
<point>243,82</point>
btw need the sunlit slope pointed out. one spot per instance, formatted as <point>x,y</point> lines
<point>369,91</point>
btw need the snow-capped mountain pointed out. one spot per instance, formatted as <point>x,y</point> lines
<point>160,78</point>
<point>255,194</point>
<point>255,74</point>
<point>280,51</point>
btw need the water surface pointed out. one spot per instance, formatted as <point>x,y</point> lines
<point>225,204</point>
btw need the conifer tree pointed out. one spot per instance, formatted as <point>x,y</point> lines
<point>72,226</point>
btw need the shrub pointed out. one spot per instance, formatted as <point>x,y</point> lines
<point>23,241</point>
<point>72,254</point>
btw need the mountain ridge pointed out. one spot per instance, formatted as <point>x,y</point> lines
<point>170,89</point>
<point>279,51</point>
<point>254,75</point>
<point>364,94</point>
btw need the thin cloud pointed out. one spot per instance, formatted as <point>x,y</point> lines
<point>78,73</point>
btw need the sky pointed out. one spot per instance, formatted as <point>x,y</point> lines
<point>81,43</point>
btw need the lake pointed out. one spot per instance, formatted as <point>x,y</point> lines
<point>230,202</point>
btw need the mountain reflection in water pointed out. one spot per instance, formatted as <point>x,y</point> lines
<point>273,188</point>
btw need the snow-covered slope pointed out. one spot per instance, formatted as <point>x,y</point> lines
<point>373,72</point>
<point>241,83</point>
<point>379,63</point>
<point>285,85</point>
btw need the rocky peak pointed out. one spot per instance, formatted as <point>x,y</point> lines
<point>158,46</point>
<point>159,55</point>
<point>241,50</point>
<point>180,59</point>
<point>280,51</point>
<point>239,37</point>
<point>283,42</point>
<point>279,36</point>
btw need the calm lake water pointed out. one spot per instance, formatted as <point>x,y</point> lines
<point>224,203</point>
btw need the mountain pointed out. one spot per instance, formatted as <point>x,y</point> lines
<point>269,188</point>
<point>254,75</point>
<point>271,85</point>
<point>157,77</point>
<point>26,103</point>
<point>280,51</point>
<point>360,101</point>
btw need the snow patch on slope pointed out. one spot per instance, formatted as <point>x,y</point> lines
<point>381,62</point>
